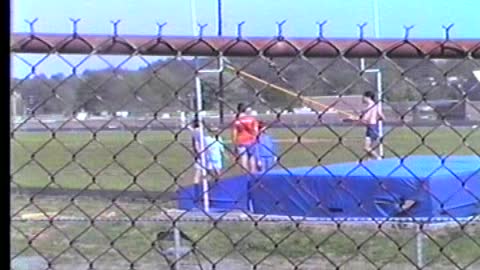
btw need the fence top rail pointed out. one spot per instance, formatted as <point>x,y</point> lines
<point>45,43</point>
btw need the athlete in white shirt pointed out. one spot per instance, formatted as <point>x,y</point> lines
<point>216,150</point>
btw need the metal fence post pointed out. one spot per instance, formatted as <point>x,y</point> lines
<point>419,245</point>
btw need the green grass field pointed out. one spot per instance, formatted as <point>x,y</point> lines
<point>231,245</point>
<point>159,161</point>
<point>227,245</point>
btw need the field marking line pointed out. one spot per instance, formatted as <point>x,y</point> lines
<point>38,215</point>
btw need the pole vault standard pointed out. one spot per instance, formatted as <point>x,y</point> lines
<point>378,73</point>
<point>199,105</point>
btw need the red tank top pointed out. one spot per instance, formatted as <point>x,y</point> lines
<point>247,130</point>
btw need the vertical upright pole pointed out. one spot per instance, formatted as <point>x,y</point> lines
<point>194,31</point>
<point>203,161</point>
<point>221,110</point>
<point>194,16</point>
<point>199,109</point>
<point>220,75</point>
<point>376,18</point>
<point>14,105</point>
<point>419,247</point>
<point>12,70</point>
<point>177,240</point>
<point>380,124</point>
<point>183,120</point>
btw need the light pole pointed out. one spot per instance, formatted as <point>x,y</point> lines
<point>376,19</point>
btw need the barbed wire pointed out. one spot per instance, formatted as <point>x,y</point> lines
<point>148,45</point>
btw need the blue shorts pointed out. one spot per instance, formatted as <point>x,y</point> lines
<point>249,150</point>
<point>372,132</point>
<point>267,163</point>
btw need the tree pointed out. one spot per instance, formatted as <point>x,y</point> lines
<point>169,85</point>
<point>66,91</point>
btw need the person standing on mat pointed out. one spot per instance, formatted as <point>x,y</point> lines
<point>266,150</point>
<point>244,137</point>
<point>371,117</point>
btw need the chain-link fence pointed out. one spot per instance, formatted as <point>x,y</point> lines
<point>346,154</point>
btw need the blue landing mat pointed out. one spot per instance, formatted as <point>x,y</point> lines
<point>439,187</point>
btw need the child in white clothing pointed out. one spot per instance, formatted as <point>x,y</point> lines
<point>215,154</point>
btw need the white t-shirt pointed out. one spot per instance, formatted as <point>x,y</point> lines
<point>215,148</point>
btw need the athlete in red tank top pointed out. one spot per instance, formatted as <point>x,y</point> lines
<point>244,136</point>
<point>246,129</point>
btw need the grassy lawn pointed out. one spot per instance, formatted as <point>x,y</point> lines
<point>237,245</point>
<point>115,245</point>
<point>161,160</point>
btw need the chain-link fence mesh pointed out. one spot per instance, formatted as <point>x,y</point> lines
<point>121,159</point>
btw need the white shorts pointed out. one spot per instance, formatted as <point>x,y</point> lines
<point>215,165</point>
<point>210,165</point>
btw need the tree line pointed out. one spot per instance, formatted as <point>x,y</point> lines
<point>169,85</point>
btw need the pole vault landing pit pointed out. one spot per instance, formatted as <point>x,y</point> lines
<point>417,186</point>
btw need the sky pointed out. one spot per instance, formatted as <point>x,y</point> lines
<point>141,16</point>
